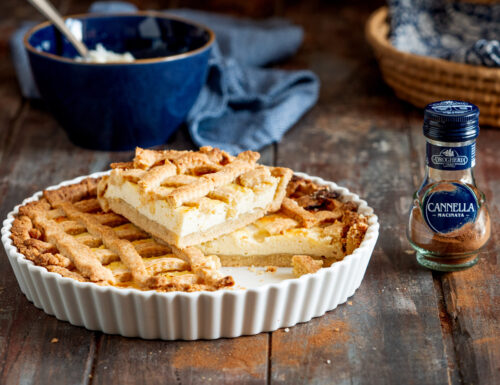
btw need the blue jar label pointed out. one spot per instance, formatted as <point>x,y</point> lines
<point>451,158</point>
<point>447,206</point>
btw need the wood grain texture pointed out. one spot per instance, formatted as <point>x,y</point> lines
<point>404,325</point>
<point>31,159</point>
<point>472,297</point>
<point>358,136</point>
<point>224,361</point>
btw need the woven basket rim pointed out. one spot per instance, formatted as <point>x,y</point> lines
<point>377,30</point>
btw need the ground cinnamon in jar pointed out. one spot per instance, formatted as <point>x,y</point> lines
<point>449,219</point>
<point>467,239</point>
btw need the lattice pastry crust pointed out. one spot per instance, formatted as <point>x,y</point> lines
<point>209,180</point>
<point>67,232</point>
<point>312,220</point>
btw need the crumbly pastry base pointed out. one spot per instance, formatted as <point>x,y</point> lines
<point>278,260</point>
<point>123,208</point>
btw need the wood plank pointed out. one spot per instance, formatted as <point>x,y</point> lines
<point>224,361</point>
<point>33,150</point>
<point>473,296</point>
<point>256,8</point>
<point>417,141</point>
<point>358,136</point>
<point>26,352</point>
<point>41,350</point>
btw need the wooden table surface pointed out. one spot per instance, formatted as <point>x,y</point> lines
<point>404,325</point>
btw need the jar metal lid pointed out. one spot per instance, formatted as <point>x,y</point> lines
<point>451,121</point>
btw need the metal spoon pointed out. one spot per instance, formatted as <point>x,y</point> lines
<point>52,15</point>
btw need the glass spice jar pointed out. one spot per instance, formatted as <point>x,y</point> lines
<point>449,220</point>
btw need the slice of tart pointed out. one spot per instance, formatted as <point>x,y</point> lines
<point>185,198</point>
<point>312,221</point>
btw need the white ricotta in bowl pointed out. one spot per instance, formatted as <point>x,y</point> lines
<point>102,55</point>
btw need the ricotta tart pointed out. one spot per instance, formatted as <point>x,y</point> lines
<point>132,228</point>
<point>185,198</point>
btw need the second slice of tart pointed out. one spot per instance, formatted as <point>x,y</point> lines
<point>313,221</point>
<point>185,198</point>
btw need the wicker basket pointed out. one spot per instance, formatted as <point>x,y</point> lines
<point>421,79</point>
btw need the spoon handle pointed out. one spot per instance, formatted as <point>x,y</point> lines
<point>52,15</point>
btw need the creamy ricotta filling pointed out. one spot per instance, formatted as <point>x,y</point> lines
<point>253,241</point>
<point>196,216</point>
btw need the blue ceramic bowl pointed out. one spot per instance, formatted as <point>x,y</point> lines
<point>117,106</point>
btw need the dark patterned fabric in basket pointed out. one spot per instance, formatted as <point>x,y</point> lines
<point>457,31</point>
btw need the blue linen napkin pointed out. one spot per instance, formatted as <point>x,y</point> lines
<point>457,31</point>
<point>243,105</point>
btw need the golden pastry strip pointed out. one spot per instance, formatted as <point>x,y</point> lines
<point>66,273</point>
<point>108,219</point>
<point>169,262</point>
<point>292,209</point>
<point>145,159</point>
<point>209,182</point>
<point>155,177</point>
<point>146,248</point>
<point>255,177</point>
<point>276,224</point>
<point>216,155</point>
<point>122,165</point>
<point>205,267</point>
<point>179,180</point>
<point>76,193</point>
<point>304,264</point>
<point>195,161</point>
<point>285,175</point>
<point>123,248</point>
<point>81,255</point>
<point>133,175</point>
<point>154,266</point>
<point>151,248</point>
<point>86,206</point>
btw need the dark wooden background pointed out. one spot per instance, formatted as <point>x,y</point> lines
<point>405,325</point>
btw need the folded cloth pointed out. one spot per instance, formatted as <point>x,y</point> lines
<point>243,106</point>
<point>21,62</point>
<point>452,30</point>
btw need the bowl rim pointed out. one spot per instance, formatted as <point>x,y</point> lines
<point>156,14</point>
